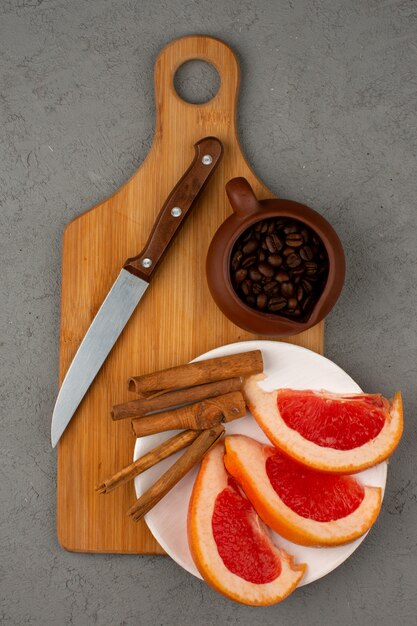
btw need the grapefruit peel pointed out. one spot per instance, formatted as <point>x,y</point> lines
<point>212,479</point>
<point>245,460</point>
<point>263,406</point>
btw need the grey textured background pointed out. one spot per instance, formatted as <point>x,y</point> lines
<point>326,117</point>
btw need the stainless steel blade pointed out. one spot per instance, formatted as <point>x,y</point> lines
<point>106,327</point>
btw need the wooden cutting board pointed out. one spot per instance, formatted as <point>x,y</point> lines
<point>176,320</point>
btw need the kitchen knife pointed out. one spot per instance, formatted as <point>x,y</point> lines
<point>131,284</point>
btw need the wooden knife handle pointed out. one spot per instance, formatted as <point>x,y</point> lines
<point>208,152</point>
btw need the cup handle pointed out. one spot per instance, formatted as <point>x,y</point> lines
<point>242,197</point>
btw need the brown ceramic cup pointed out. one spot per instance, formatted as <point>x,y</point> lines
<point>247,210</point>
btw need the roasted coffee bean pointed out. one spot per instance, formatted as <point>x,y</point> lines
<point>307,302</point>
<point>287,289</point>
<point>297,271</point>
<point>306,253</point>
<point>290,229</point>
<point>279,265</point>
<point>308,287</point>
<point>294,240</point>
<point>271,288</point>
<point>261,301</point>
<point>237,257</point>
<point>275,260</point>
<point>276,304</point>
<point>240,275</point>
<point>249,260</point>
<point>311,267</point>
<point>246,287</point>
<point>250,247</point>
<point>293,260</point>
<point>280,222</point>
<point>254,274</point>
<point>266,270</point>
<point>273,243</point>
<point>282,277</point>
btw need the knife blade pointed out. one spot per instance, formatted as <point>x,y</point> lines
<point>131,284</point>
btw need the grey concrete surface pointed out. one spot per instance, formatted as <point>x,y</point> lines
<point>327,117</point>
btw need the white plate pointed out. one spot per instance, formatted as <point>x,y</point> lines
<point>286,365</point>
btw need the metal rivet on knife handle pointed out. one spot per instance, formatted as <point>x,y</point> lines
<point>176,211</point>
<point>207,159</point>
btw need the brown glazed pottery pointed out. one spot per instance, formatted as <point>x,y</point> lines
<point>247,210</point>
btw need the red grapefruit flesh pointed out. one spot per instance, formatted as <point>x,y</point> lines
<point>329,432</point>
<point>230,545</point>
<point>244,550</point>
<point>343,423</point>
<point>305,506</point>
<point>313,495</point>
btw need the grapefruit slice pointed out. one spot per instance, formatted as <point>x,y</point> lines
<point>326,431</point>
<point>230,545</point>
<point>305,506</point>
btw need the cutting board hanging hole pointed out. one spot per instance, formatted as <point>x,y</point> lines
<point>196,81</point>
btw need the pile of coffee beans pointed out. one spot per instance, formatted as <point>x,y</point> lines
<point>280,266</point>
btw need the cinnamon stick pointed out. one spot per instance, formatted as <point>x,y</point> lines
<point>178,470</point>
<point>151,458</point>
<point>198,416</point>
<point>138,408</point>
<point>199,373</point>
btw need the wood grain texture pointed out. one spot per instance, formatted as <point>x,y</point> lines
<point>175,321</point>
